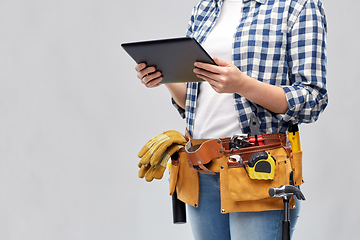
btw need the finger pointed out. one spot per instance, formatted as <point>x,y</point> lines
<point>140,66</point>
<point>206,75</point>
<point>150,77</point>
<point>208,67</point>
<point>212,83</point>
<point>154,83</point>
<point>147,71</point>
<point>213,68</point>
<point>221,62</point>
<point>215,85</point>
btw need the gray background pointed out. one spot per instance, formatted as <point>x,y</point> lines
<point>73,116</point>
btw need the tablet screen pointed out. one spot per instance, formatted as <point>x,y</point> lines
<point>174,57</point>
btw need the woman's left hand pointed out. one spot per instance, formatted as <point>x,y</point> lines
<point>224,78</point>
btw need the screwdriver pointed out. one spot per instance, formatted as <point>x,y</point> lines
<point>294,137</point>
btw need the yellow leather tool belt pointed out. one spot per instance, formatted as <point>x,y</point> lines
<point>239,193</point>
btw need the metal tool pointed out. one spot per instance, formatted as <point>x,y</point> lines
<point>255,134</point>
<point>286,192</point>
<point>239,141</point>
<point>238,158</point>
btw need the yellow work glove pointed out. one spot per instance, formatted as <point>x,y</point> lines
<point>153,149</point>
<point>157,171</point>
<point>156,153</point>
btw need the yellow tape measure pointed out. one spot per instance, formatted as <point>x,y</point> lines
<point>261,166</point>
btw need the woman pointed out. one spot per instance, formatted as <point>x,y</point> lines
<point>271,61</point>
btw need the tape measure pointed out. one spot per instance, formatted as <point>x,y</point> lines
<point>261,166</point>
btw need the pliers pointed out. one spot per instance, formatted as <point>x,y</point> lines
<point>255,136</point>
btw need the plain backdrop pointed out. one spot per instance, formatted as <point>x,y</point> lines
<point>73,117</point>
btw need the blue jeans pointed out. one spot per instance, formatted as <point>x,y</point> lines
<point>208,223</point>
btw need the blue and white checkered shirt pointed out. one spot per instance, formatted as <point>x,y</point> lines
<point>280,42</point>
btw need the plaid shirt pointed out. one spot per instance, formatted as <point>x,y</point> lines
<point>280,42</point>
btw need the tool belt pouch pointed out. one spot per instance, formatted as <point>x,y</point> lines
<point>198,156</point>
<point>174,172</point>
<point>184,180</point>
<point>288,170</point>
<point>210,156</point>
<point>296,165</point>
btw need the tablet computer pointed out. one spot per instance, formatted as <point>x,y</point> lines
<point>174,57</point>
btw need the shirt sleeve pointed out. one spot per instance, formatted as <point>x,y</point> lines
<point>189,31</point>
<point>180,109</point>
<point>307,95</point>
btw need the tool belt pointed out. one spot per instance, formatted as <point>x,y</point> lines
<point>239,193</point>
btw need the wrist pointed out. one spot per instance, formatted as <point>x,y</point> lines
<point>246,85</point>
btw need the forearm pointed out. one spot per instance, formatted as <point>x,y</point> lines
<point>178,93</point>
<point>268,96</point>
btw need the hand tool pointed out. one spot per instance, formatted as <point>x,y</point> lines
<point>286,192</point>
<point>294,137</point>
<point>239,141</point>
<point>238,158</point>
<point>179,209</point>
<point>255,135</point>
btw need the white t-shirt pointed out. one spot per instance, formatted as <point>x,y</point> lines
<point>215,114</point>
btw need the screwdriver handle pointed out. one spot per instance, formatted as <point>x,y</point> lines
<point>294,138</point>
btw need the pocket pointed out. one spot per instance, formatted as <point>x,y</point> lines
<point>174,172</point>
<point>187,184</point>
<point>296,165</point>
<point>242,188</point>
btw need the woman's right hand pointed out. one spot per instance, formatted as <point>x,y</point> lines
<point>149,76</point>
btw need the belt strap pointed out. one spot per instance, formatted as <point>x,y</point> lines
<point>202,153</point>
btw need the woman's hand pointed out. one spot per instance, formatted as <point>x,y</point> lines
<point>149,76</point>
<point>227,78</point>
<point>224,78</point>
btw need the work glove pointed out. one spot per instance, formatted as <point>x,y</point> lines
<point>156,152</point>
<point>157,171</point>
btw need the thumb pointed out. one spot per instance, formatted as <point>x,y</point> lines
<point>220,62</point>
